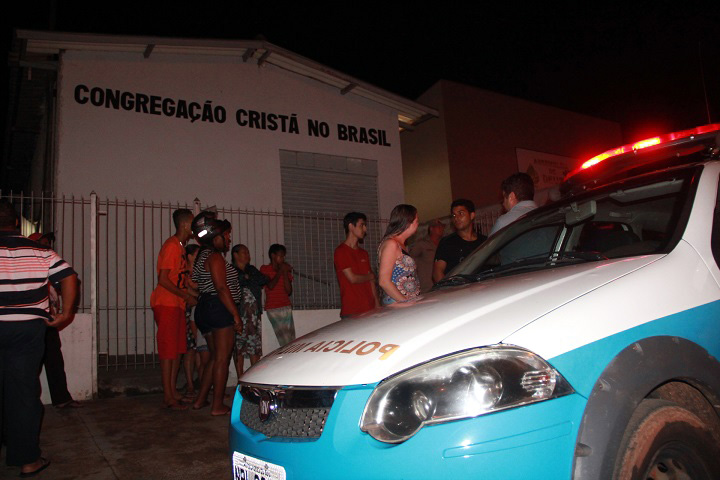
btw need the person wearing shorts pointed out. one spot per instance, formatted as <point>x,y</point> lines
<point>168,302</point>
<point>216,314</point>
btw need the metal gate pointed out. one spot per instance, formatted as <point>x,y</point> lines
<point>113,246</point>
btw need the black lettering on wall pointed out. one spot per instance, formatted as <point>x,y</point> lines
<point>209,113</point>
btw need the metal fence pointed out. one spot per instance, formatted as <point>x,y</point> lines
<point>68,218</point>
<point>113,245</point>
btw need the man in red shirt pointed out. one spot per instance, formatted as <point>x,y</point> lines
<point>352,267</point>
<point>168,302</point>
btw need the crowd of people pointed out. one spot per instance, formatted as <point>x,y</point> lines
<point>404,273</point>
<point>207,309</point>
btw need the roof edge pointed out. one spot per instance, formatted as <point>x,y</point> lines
<point>44,42</point>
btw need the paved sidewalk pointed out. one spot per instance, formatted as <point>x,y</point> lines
<point>131,438</point>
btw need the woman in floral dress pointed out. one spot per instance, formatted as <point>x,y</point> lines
<point>397,277</point>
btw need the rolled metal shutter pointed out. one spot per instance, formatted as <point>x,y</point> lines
<point>317,191</point>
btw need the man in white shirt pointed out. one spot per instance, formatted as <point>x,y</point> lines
<point>518,191</point>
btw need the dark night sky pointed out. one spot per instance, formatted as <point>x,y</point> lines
<point>638,65</point>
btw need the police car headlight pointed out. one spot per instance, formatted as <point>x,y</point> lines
<point>462,385</point>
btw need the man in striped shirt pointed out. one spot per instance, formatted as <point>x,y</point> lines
<point>26,268</point>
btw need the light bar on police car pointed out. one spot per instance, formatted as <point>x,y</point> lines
<point>648,142</point>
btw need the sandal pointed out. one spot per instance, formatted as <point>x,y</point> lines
<point>44,464</point>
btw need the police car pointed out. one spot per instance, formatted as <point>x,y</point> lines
<point>581,341</point>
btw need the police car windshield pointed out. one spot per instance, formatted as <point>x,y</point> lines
<point>635,217</point>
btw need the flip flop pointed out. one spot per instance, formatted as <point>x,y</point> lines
<point>70,404</point>
<point>221,414</point>
<point>45,464</point>
<point>176,407</point>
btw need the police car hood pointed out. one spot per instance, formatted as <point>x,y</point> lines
<point>373,346</point>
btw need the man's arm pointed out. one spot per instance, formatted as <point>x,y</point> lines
<point>69,295</point>
<point>438,273</point>
<point>440,263</point>
<point>500,223</point>
<point>343,263</point>
<point>164,280</point>
<point>357,278</point>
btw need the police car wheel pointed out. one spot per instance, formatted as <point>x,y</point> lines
<point>665,441</point>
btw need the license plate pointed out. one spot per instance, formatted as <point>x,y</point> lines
<point>246,467</point>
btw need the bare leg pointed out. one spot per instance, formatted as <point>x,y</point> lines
<point>224,341</point>
<point>206,378</point>
<point>239,364</point>
<point>173,380</point>
<point>188,364</point>
<point>169,391</point>
<point>203,358</point>
<point>239,358</point>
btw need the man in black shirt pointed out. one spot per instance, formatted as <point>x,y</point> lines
<point>455,247</point>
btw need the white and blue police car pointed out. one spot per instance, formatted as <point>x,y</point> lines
<point>581,341</point>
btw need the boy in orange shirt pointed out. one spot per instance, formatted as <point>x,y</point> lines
<point>168,302</point>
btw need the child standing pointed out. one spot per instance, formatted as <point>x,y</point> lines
<point>277,294</point>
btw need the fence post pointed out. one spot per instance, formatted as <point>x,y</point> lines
<point>94,288</point>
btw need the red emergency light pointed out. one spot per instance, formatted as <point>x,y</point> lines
<point>648,142</point>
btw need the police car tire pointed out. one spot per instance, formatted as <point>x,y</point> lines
<point>664,440</point>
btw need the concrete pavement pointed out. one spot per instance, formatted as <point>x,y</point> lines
<point>131,437</point>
